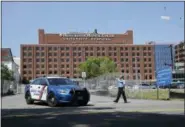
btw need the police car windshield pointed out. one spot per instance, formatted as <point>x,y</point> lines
<point>60,81</point>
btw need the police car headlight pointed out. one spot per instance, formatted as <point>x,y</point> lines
<point>63,91</point>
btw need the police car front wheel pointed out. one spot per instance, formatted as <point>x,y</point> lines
<point>28,98</point>
<point>52,102</point>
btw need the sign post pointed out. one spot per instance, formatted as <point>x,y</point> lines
<point>84,76</point>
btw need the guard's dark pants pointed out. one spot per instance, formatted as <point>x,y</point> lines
<point>121,90</point>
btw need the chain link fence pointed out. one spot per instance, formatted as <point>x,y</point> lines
<point>107,85</point>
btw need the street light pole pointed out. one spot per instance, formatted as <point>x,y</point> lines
<point>171,50</point>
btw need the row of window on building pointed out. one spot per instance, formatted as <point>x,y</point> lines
<point>87,48</point>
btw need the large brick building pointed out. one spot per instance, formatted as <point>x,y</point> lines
<point>61,54</point>
<point>180,52</point>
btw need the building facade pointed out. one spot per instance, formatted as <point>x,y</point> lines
<point>180,52</point>
<point>163,56</point>
<point>60,54</point>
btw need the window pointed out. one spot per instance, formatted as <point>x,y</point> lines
<point>29,54</point>
<point>145,71</point>
<point>74,48</point>
<point>103,54</point>
<point>55,66</point>
<point>103,48</point>
<point>62,48</point>
<point>42,66</point>
<point>55,54</point>
<point>50,48</point>
<point>137,48</point>
<point>133,59</point>
<point>149,59</point>
<point>74,54</point>
<point>79,48</point>
<point>91,54</point>
<point>67,48</point>
<point>50,54</point>
<point>43,81</point>
<point>79,54</point>
<point>137,54</point>
<point>74,59</point>
<point>150,76</point>
<point>133,48</point>
<point>62,60</point>
<point>67,65</point>
<point>114,48</point>
<point>110,54</point>
<point>42,60</point>
<point>55,60</point>
<point>37,54</point>
<point>122,59</point>
<point>37,60</point>
<point>79,59</point>
<point>42,54</point>
<point>121,48</point>
<point>150,71</point>
<point>24,72</point>
<point>133,54</point>
<point>145,65</point>
<point>67,60</point>
<point>149,48</point>
<point>98,48</point>
<point>138,65</point>
<point>37,48</point>
<point>126,48</point>
<point>62,54</point>
<point>37,82</point>
<point>67,54</point>
<point>114,54</point>
<point>150,65</point>
<point>126,54</point>
<point>126,59</point>
<point>138,71</point>
<point>144,48</point>
<point>49,60</point>
<point>30,60</point>
<point>62,66</point>
<point>37,66</point>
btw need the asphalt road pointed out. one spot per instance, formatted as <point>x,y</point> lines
<point>101,111</point>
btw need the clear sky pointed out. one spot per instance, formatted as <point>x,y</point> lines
<point>21,20</point>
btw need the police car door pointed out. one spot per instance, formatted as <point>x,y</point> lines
<point>35,89</point>
<point>43,89</point>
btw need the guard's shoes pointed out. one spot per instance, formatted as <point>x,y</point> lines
<point>115,101</point>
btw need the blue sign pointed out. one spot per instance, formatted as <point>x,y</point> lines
<point>164,77</point>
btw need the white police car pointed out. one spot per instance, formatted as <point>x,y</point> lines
<point>56,90</point>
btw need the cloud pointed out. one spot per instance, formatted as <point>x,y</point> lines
<point>165,17</point>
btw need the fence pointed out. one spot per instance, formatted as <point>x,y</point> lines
<point>106,84</point>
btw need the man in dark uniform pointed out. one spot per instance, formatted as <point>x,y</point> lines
<point>121,89</point>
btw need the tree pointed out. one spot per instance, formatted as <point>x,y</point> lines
<point>6,74</point>
<point>96,66</point>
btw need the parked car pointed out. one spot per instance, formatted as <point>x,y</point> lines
<point>56,90</point>
<point>145,86</point>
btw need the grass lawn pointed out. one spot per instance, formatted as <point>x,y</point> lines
<point>163,94</point>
